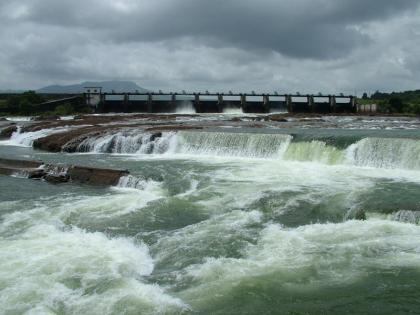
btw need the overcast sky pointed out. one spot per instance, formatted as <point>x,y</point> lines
<point>309,46</point>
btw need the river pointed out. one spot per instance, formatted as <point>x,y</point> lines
<point>220,221</point>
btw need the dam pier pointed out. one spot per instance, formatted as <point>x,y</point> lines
<point>161,102</point>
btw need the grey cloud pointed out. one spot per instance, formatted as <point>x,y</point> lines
<point>307,45</point>
<point>318,29</point>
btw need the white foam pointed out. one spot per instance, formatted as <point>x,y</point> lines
<point>47,268</point>
<point>185,107</point>
<point>27,139</point>
<point>314,256</point>
<point>385,153</point>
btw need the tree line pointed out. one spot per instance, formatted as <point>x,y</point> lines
<point>31,103</point>
<point>407,102</point>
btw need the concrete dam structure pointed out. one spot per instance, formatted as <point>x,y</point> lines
<point>218,102</point>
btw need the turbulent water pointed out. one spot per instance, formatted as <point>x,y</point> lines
<point>212,222</point>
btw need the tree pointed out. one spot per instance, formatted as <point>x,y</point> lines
<point>365,96</point>
<point>396,104</point>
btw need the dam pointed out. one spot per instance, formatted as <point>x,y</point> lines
<point>207,102</point>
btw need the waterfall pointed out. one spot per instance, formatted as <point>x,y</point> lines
<point>130,181</point>
<point>127,143</point>
<point>407,216</point>
<point>186,107</point>
<point>368,152</point>
<point>26,139</point>
<point>385,153</point>
<point>233,144</point>
<point>232,110</point>
<point>314,151</point>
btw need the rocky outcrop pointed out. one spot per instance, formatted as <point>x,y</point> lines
<point>26,164</point>
<point>96,176</point>
<point>61,174</point>
<point>27,168</point>
<point>67,139</point>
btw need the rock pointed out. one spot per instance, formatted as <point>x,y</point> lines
<point>29,164</point>
<point>154,136</point>
<point>278,118</point>
<point>3,119</point>
<point>356,214</point>
<point>56,174</point>
<point>360,215</point>
<point>36,174</point>
<point>7,132</point>
<point>57,178</point>
<point>96,176</point>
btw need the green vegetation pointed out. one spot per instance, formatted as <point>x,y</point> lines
<point>395,103</point>
<point>30,103</point>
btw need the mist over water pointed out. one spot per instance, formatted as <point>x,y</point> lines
<point>216,222</point>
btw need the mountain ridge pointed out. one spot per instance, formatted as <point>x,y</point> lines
<point>107,87</point>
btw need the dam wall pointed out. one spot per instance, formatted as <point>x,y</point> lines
<point>222,103</point>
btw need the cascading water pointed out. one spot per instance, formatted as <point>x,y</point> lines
<point>313,151</point>
<point>185,107</point>
<point>26,139</point>
<point>134,182</point>
<point>368,152</point>
<point>232,110</point>
<point>232,144</point>
<point>127,143</point>
<point>385,153</point>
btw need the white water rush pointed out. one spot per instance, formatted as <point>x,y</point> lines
<point>211,214</point>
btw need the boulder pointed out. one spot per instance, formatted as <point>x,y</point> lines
<point>7,132</point>
<point>95,176</point>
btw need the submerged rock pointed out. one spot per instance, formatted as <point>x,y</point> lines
<point>360,215</point>
<point>57,178</point>
<point>356,214</point>
<point>278,118</point>
<point>37,174</point>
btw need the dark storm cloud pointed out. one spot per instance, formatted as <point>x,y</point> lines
<point>319,29</point>
<point>311,45</point>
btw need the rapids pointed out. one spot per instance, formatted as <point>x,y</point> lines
<point>217,222</point>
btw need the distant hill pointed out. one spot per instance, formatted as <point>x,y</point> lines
<point>107,86</point>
